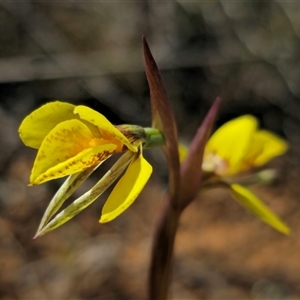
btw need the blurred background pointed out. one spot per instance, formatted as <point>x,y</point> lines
<point>90,53</point>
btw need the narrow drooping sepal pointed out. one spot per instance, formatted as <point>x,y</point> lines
<point>163,119</point>
<point>253,204</point>
<point>64,192</point>
<point>191,171</point>
<point>89,197</point>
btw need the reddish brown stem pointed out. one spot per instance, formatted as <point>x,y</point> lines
<point>162,252</point>
<point>191,179</point>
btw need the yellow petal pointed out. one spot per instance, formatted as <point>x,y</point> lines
<point>259,209</point>
<point>97,119</point>
<point>89,197</point>
<point>40,122</point>
<point>66,150</point>
<point>183,152</point>
<point>127,189</point>
<point>228,146</point>
<point>263,147</point>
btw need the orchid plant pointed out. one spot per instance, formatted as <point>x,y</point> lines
<point>74,141</point>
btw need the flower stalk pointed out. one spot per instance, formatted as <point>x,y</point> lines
<point>161,260</point>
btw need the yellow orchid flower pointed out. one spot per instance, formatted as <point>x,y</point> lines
<point>75,140</point>
<point>238,146</point>
<point>69,139</point>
